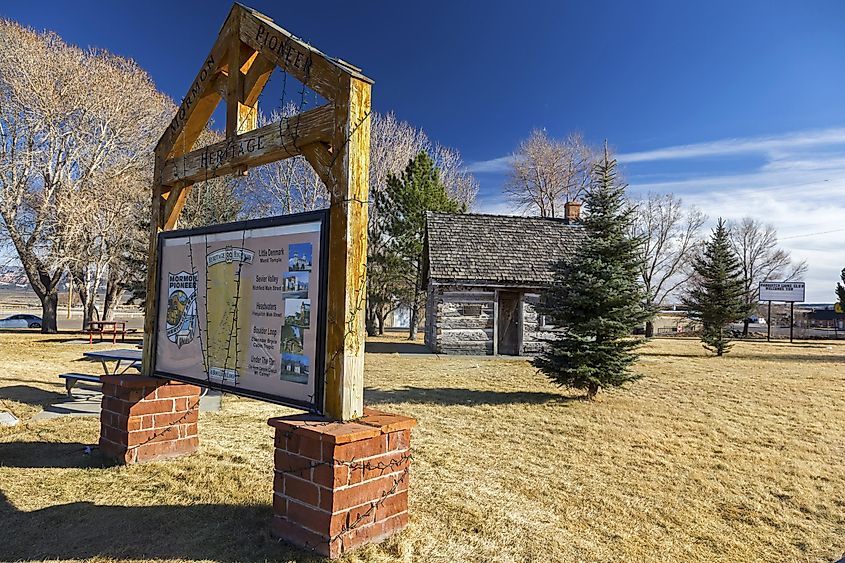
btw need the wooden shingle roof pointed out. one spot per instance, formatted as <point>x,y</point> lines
<point>497,249</point>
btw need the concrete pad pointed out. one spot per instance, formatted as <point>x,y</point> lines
<point>8,419</point>
<point>211,401</point>
<point>86,401</point>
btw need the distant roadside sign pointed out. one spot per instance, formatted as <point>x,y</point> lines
<point>837,308</point>
<point>789,292</point>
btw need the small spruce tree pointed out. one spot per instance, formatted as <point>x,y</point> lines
<point>596,297</point>
<point>717,295</point>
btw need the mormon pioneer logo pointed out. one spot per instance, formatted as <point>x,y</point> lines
<point>181,307</point>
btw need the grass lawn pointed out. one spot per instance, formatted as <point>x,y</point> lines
<point>704,459</point>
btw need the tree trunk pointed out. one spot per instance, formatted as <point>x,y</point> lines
<point>112,299</point>
<point>381,315</point>
<point>745,328</point>
<point>649,329</point>
<point>412,333</point>
<point>49,312</point>
<point>84,301</point>
<point>371,323</point>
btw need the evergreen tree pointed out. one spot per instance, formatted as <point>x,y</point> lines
<point>840,290</point>
<point>596,297</point>
<point>402,205</point>
<point>717,296</point>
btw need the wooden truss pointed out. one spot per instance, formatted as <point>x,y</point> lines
<point>333,138</point>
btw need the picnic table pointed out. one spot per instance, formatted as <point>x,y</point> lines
<point>106,327</point>
<point>131,359</point>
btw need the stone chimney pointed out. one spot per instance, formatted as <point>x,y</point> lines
<point>572,211</point>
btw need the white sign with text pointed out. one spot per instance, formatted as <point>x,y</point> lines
<point>789,292</point>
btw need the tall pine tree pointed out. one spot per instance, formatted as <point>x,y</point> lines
<point>717,295</point>
<point>402,205</point>
<point>596,297</point>
<point>840,290</point>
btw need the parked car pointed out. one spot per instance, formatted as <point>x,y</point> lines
<point>21,321</point>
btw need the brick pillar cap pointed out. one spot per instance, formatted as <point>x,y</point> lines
<point>372,424</point>
<point>140,381</point>
<point>131,381</point>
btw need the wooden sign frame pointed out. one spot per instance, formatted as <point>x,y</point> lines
<point>319,310</point>
<point>333,138</point>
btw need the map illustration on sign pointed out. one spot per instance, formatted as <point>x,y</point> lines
<point>245,308</point>
<point>228,321</point>
<point>181,307</point>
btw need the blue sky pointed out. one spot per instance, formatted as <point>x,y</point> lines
<point>736,107</point>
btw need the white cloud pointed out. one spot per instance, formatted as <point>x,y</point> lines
<point>800,195</point>
<point>746,145</point>
<point>494,166</point>
<point>798,187</point>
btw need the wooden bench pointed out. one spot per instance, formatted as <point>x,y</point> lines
<point>72,378</point>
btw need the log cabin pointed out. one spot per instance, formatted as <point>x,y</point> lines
<point>485,274</point>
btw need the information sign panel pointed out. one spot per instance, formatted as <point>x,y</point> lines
<point>242,308</point>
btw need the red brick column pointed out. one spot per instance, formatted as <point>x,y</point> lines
<point>147,418</point>
<point>340,485</point>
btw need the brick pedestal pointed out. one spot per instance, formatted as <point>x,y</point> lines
<point>339,485</point>
<point>147,418</point>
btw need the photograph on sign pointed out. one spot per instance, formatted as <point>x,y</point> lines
<point>244,308</point>
<point>788,292</point>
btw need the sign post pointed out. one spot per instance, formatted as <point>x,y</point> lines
<point>231,308</point>
<point>769,324</point>
<point>785,292</point>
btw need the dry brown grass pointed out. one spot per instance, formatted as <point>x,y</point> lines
<point>704,459</point>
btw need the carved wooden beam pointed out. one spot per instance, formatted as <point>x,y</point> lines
<point>265,144</point>
<point>202,98</point>
<point>316,70</point>
<point>256,78</point>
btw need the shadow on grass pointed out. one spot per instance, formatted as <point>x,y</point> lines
<point>396,348</point>
<point>56,455</point>
<point>459,396</point>
<point>83,530</point>
<point>83,336</point>
<point>29,395</point>
<point>762,356</point>
<point>804,358</point>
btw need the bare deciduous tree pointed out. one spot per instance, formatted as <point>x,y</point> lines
<point>670,234</point>
<point>289,185</point>
<point>546,173</point>
<point>393,144</point>
<point>68,117</point>
<point>756,244</point>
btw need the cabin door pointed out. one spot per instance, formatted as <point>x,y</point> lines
<point>509,323</point>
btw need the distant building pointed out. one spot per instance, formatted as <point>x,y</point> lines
<point>821,315</point>
<point>484,275</point>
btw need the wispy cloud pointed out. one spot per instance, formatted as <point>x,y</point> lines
<point>494,166</point>
<point>737,146</point>
<point>793,181</point>
<point>797,188</point>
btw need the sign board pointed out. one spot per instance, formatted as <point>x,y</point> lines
<point>837,308</point>
<point>789,292</point>
<point>242,308</point>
